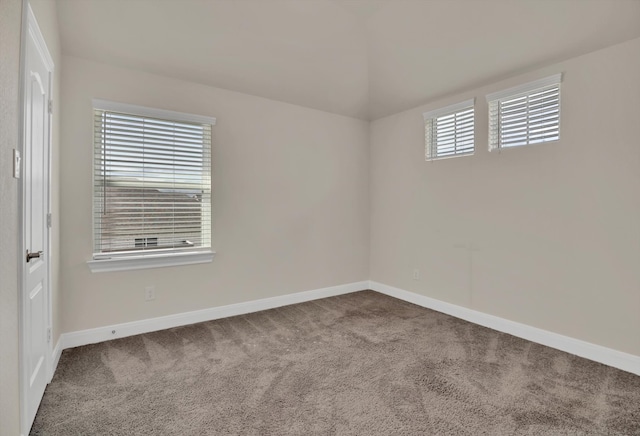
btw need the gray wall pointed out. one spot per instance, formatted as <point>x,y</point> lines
<point>546,235</point>
<point>290,200</point>
<point>10,25</point>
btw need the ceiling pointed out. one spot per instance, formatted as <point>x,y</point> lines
<point>360,58</point>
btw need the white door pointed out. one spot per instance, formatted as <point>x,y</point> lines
<point>38,70</point>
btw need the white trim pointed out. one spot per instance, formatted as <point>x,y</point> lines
<point>27,17</point>
<point>100,334</point>
<point>55,358</point>
<point>126,263</point>
<point>151,112</point>
<point>31,30</point>
<point>38,38</point>
<point>449,109</point>
<point>525,87</point>
<point>451,156</point>
<point>597,353</point>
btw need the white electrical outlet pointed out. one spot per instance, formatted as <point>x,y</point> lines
<point>416,274</point>
<point>149,293</point>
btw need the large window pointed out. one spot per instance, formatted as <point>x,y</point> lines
<point>449,131</point>
<point>152,182</point>
<point>527,114</point>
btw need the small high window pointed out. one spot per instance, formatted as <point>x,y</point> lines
<point>449,131</point>
<point>527,114</point>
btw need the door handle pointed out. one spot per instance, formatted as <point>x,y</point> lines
<point>35,255</point>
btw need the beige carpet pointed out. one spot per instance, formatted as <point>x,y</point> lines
<point>359,364</point>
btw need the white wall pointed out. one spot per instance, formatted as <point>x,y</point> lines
<point>546,235</point>
<point>290,200</point>
<point>10,25</point>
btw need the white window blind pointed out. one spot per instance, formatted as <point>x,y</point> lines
<point>449,131</point>
<point>528,114</point>
<point>152,181</point>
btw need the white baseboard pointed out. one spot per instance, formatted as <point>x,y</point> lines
<point>100,334</point>
<point>55,357</point>
<point>597,353</point>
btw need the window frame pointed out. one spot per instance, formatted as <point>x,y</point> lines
<point>494,100</point>
<point>119,261</point>
<point>432,117</point>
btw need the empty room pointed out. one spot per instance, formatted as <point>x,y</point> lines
<point>319,217</point>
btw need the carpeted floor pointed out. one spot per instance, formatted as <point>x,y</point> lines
<point>359,364</point>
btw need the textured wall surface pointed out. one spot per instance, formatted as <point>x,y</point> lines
<point>290,200</point>
<point>10,25</point>
<point>546,235</point>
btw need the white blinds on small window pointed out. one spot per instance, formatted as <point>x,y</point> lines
<point>449,131</point>
<point>528,114</point>
<point>152,184</point>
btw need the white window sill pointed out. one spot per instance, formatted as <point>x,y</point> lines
<point>149,261</point>
<point>453,156</point>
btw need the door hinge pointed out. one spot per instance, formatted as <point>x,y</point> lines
<point>49,220</point>
<point>50,106</point>
<point>48,335</point>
